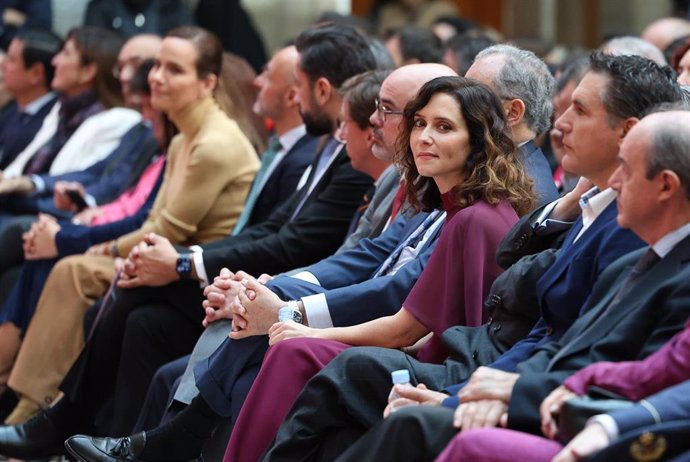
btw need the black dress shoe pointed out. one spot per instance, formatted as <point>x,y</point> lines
<point>91,449</point>
<point>35,439</point>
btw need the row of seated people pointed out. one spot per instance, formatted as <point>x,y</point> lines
<point>465,183</point>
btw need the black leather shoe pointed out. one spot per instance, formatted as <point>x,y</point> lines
<point>35,439</point>
<point>91,449</point>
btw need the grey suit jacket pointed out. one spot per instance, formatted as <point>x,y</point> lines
<point>376,216</point>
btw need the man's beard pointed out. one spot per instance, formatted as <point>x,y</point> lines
<point>317,123</point>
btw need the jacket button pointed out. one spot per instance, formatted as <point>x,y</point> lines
<point>490,320</point>
<point>549,330</point>
<point>475,353</point>
<point>497,328</point>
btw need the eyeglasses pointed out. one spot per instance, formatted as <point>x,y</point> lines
<point>385,110</point>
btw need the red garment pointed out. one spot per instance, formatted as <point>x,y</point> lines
<point>458,276</point>
<point>461,271</point>
<point>499,445</point>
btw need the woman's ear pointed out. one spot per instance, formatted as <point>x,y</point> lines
<point>88,73</point>
<point>208,85</point>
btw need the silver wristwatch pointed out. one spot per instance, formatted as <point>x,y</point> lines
<point>290,312</point>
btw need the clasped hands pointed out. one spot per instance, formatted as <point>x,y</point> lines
<point>39,241</point>
<point>484,400</point>
<point>255,312</point>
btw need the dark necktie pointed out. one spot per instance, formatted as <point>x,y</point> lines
<point>363,206</point>
<point>641,267</point>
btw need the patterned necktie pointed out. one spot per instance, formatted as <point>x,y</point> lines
<point>267,159</point>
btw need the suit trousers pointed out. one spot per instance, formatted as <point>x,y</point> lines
<point>345,399</point>
<point>413,433</point>
<point>115,367</point>
<point>55,335</point>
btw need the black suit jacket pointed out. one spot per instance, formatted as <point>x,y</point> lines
<point>522,239</point>
<point>283,180</point>
<point>281,243</point>
<point>646,317</point>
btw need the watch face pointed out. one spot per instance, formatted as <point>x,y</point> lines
<point>184,265</point>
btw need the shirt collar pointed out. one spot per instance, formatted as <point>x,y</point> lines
<point>664,245</point>
<point>291,137</point>
<point>593,202</point>
<point>34,106</point>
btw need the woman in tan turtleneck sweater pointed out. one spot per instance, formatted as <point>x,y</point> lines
<point>210,167</point>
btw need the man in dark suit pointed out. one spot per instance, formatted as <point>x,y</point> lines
<point>27,73</point>
<point>292,149</point>
<point>372,278</point>
<point>383,361</point>
<point>308,227</point>
<point>621,320</point>
<point>591,246</point>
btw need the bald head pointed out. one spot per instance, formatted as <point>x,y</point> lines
<point>276,85</point>
<point>137,49</point>
<point>653,180</point>
<point>662,32</point>
<point>634,46</point>
<point>399,88</point>
<point>669,144</point>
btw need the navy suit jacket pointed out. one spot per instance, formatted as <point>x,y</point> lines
<point>73,239</point>
<point>105,180</point>
<point>671,404</point>
<point>353,296</point>
<point>564,288</point>
<point>284,178</point>
<point>12,140</point>
<point>538,169</point>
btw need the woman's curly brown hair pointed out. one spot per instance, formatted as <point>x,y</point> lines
<point>494,169</point>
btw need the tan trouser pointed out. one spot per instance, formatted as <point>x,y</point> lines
<point>55,336</point>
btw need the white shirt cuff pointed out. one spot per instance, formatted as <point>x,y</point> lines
<point>38,182</point>
<point>307,277</point>
<point>90,200</point>
<point>198,260</point>
<point>544,215</point>
<point>609,424</point>
<point>316,308</point>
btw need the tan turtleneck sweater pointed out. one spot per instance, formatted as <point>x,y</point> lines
<point>210,167</point>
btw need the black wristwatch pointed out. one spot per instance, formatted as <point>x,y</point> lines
<point>184,266</point>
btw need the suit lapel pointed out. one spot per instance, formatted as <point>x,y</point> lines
<point>570,250</point>
<point>601,324</point>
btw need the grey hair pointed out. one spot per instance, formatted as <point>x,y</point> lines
<point>525,77</point>
<point>671,151</point>
<point>630,45</point>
